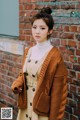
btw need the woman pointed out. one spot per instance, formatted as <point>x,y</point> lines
<point>42,86</point>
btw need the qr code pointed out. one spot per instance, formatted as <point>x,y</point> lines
<point>6,113</point>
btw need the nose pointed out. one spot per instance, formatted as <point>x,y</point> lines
<point>37,31</point>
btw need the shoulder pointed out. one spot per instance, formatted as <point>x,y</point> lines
<point>28,50</point>
<point>56,55</point>
<point>56,52</point>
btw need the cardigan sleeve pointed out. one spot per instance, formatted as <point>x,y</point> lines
<point>58,92</point>
<point>18,83</point>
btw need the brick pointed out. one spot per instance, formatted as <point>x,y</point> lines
<point>56,6</point>
<point>55,34</point>
<point>33,0</point>
<point>73,88</point>
<point>27,37</point>
<point>77,37</point>
<point>78,45</point>
<point>69,79</point>
<point>76,67</point>
<point>70,51</point>
<point>30,6</point>
<point>24,1</point>
<point>77,112</point>
<point>69,65</point>
<point>73,28</point>
<point>27,6</point>
<point>67,35</point>
<point>66,115</point>
<point>21,26</point>
<point>4,66</point>
<point>73,117</point>
<point>57,28</point>
<point>79,90</point>
<point>3,71</point>
<point>21,13</point>
<point>63,42</point>
<point>76,82</point>
<point>66,28</point>
<point>65,56</point>
<point>22,37</point>
<point>28,26</point>
<point>78,76</point>
<point>2,104</point>
<point>79,60</point>
<point>79,29</point>
<point>7,98</point>
<point>78,105</point>
<point>32,13</point>
<point>72,74</point>
<point>72,43</point>
<point>22,32</point>
<point>73,59</point>
<point>27,1</point>
<point>20,1</point>
<point>27,32</point>
<point>55,42</point>
<point>71,103</point>
<point>21,6</point>
<point>69,109</point>
<point>78,6</point>
<point>65,6</point>
<point>78,52</point>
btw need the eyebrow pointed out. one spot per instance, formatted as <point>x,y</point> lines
<point>40,26</point>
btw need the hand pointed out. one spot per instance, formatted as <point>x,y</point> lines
<point>17,90</point>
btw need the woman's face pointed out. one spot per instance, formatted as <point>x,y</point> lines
<point>40,30</point>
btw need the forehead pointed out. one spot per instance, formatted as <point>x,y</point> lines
<point>39,22</point>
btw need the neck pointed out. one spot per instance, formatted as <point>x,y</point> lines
<point>44,44</point>
<point>40,49</point>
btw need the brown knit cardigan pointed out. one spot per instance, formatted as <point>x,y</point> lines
<point>51,93</point>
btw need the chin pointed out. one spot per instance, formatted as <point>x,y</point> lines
<point>38,40</point>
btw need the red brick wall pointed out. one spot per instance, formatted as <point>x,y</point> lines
<point>10,65</point>
<point>66,35</point>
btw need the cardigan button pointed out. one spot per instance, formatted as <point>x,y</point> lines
<point>33,89</point>
<point>30,118</point>
<point>20,74</point>
<point>26,87</point>
<point>36,61</point>
<point>30,104</point>
<point>26,74</point>
<point>26,115</point>
<point>33,75</point>
<point>29,60</point>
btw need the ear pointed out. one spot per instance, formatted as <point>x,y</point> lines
<point>50,32</point>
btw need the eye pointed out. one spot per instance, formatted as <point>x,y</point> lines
<point>34,27</point>
<point>42,28</point>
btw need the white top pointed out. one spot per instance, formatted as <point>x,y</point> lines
<point>40,49</point>
<point>37,52</point>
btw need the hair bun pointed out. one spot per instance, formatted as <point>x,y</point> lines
<point>46,10</point>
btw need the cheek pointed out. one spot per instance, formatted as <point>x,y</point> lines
<point>45,33</point>
<point>33,32</point>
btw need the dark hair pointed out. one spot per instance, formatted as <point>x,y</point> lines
<point>45,15</point>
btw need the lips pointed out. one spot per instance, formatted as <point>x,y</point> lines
<point>37,36</point>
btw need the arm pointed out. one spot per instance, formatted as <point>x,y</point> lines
<point>58,92</point>
<point>18,83</point>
